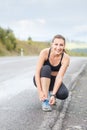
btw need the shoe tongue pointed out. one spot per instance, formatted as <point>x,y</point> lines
<point>46,100</point>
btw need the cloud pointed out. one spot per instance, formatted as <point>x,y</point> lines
<point>32,27</point>
<point>41,21</point>
<point>44,18</point>
<point>80,28</point>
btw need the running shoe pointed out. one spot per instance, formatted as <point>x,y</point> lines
<point>46,106</point>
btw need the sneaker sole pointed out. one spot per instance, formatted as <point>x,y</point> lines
<point>46,110</point>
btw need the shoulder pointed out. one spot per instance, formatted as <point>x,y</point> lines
<point>66,56</point>
<point>42,58</point>
<point>66,59</point>
<point>44,52</point>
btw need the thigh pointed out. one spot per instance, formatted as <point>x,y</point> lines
<point>45,72</point>
<point>51,82</point>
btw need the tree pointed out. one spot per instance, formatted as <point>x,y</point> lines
<point>29,39</point>
<point>7,38</point>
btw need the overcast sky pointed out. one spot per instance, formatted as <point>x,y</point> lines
<point>42,19</point>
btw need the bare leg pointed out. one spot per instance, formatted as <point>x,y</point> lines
<point>45,82</point>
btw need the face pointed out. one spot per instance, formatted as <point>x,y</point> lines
<point>58,46</point>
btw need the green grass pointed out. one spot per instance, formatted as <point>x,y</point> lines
<point>34,48</point>
<point>77,49</point>
<point>31,47</point>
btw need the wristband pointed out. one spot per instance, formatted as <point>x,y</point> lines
<point>54,95</point>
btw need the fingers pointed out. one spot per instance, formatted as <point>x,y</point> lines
<point>52,101</point>
<point>42,97</point>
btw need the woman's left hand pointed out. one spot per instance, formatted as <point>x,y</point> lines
<point>52,100</point>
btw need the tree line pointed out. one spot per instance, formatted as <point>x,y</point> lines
<point>8,38</point>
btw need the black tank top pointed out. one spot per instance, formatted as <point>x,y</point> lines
<point>53,68</point>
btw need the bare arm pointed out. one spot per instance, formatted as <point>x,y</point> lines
<point>59,77</point>
<point>42,58</point>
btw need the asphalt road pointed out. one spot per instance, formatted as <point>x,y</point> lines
<point>20,108</point>
<point>76,114</point>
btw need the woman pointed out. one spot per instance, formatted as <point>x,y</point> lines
<point>51,67</point>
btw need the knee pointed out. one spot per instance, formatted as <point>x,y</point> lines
<point>63,95</point>
<point>46,71</point>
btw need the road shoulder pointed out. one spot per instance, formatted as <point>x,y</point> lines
<point>76,114</point>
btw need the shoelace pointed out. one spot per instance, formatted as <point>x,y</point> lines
<point>46,101</point>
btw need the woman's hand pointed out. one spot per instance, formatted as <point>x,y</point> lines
<point>42,96</point>
<point>52,100</point>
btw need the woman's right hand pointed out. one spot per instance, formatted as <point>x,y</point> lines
<point>42,96</point>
